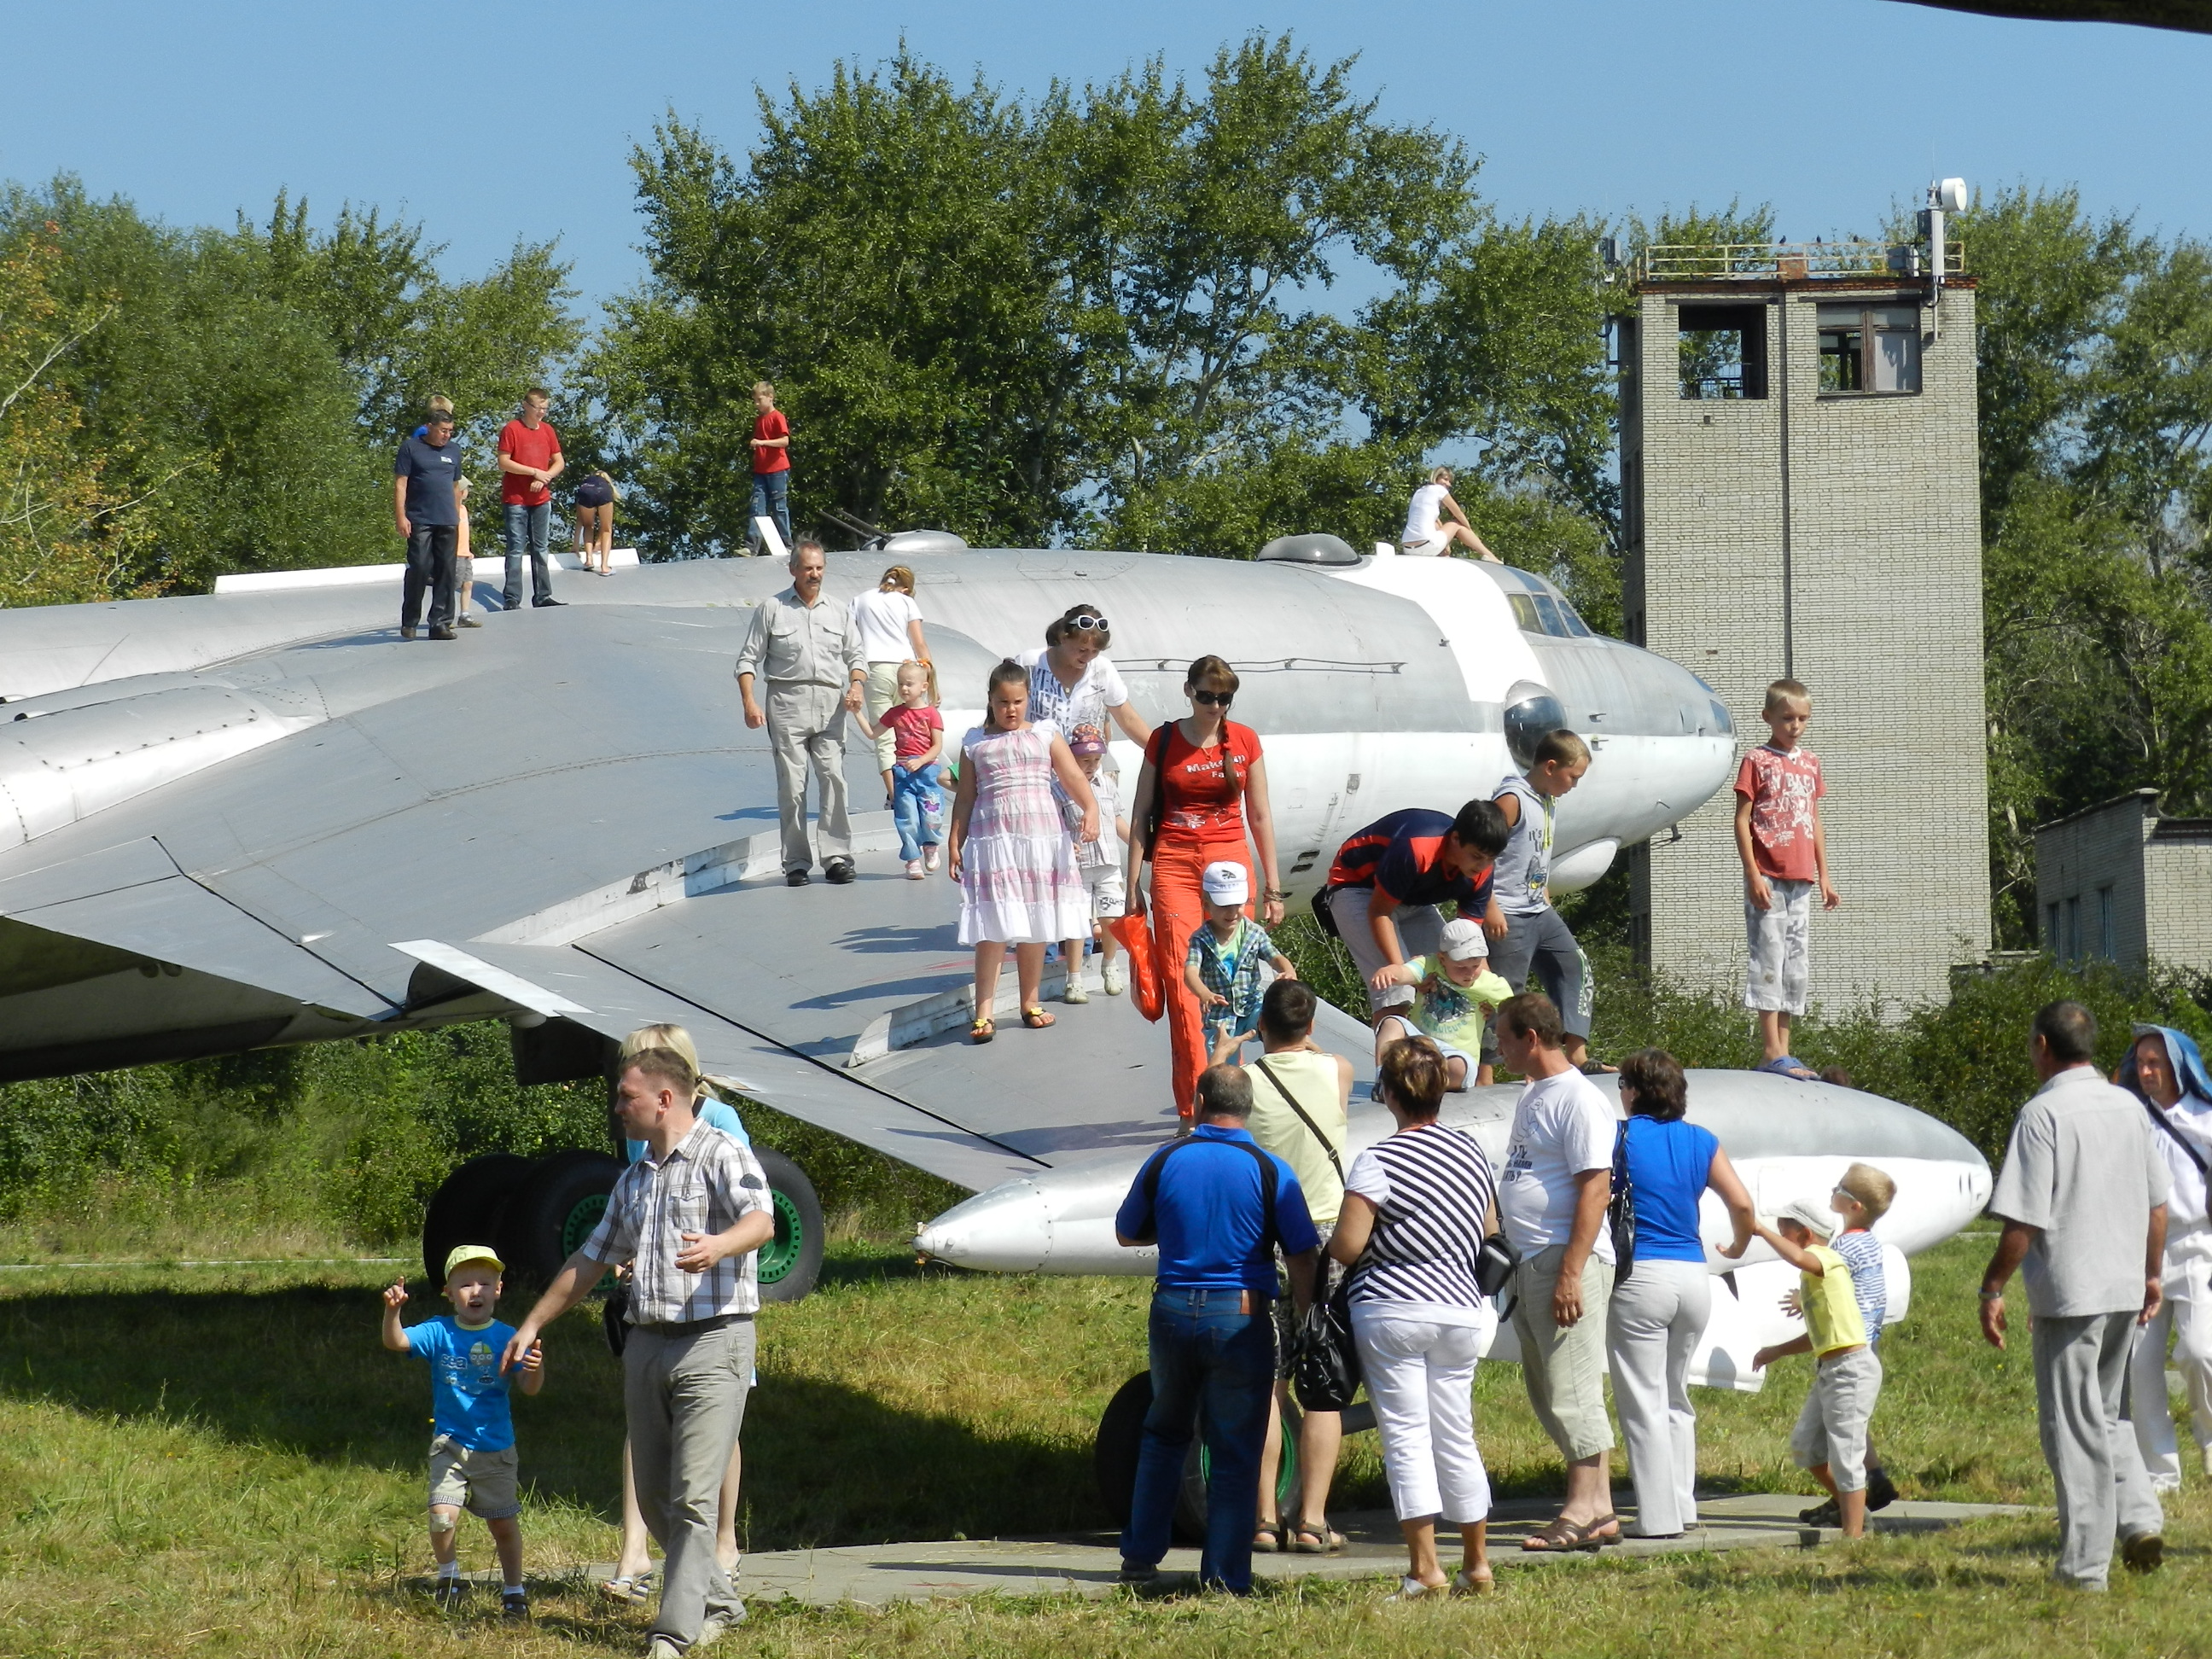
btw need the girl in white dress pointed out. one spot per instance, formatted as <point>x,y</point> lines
<point>1010,850</point>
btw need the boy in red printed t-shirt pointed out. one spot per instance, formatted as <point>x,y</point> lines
<point>1785,856</point>
<point>771,446</point>
<point>530,458</point>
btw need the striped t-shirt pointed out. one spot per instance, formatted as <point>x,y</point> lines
<point>1862,1254</point>
<point>1431,1189</point>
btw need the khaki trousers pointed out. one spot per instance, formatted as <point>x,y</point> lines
<point>683,1399</point>
<point>806,727</point>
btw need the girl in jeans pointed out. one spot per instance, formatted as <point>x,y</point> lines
<point>1415,1208</point>
<point>1660,1308</point>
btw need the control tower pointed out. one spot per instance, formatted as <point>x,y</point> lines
<point>1801,500</point>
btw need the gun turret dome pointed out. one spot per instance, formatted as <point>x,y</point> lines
<point>1310,548</point>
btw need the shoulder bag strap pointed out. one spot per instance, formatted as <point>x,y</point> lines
<point>2178,1138</point>
<point>1156,757</point>
<point>1268,1186</point>
<point>1291,1101</point>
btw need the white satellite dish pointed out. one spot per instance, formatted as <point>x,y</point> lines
<point>1951,196</point>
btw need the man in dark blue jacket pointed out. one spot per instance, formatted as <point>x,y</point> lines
<point>1217,1207</point>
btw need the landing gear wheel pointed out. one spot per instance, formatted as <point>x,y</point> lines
<point>1120,1442</point>
<point>554,1211</point>
<point>469,1207</point>
<point>791,1262</point>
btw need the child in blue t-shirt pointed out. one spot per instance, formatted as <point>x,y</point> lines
<point>472,1462</point>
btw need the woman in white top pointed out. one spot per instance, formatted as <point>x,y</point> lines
<point>1434,522</point>
<point>889,623</point>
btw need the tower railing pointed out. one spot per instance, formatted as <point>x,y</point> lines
<point>1679,261</point>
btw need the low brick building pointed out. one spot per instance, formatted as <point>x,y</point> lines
<point>1801,485</point>
<point>2119,882</point>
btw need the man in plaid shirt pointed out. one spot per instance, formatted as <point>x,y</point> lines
<point>1227,952</point>
<point>688,1216</point>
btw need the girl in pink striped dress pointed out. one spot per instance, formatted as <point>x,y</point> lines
<point>1010,849</point>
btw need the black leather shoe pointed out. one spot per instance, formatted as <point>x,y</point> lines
<point>443,634</point>
<point>840,872</point>
<point>795,878</point>
<point>1881,1491</point>
<point>541,605</point>
<point>406,630</point>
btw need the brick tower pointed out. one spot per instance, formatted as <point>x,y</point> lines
<point>1801,495</point>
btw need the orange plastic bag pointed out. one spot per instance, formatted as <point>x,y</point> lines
<point>1144,973</point>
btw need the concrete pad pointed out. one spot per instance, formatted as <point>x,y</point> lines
<point>876,1575</point>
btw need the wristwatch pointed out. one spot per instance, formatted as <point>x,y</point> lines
<point>1988,1294</point>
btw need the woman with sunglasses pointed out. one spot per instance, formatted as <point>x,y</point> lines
<point>1203,786</point>
<point>1073,683</point>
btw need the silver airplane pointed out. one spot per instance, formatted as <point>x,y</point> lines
<point>257,817</point>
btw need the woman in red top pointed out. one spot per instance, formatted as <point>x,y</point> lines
<point>1211,786</point>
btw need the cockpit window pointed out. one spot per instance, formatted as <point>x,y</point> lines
<point>1546,613</point>
<point>1554,623</point>
<point>1524,613</point>
<point>1575,625</point>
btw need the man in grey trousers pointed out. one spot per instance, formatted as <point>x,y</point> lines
<point>2082,1194</point>
<point>688,1360</point>
<point>808,652</point>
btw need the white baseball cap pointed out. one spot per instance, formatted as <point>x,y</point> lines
<point>1462,939</point>
<point>1819,1222</point>
<point>1225,882</point>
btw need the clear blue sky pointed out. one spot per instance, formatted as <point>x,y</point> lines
<point>490,123</point>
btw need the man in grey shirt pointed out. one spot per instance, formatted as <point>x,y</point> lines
<point>2082,1194</point>
<point>810,653</point>
<point>690,1217</point>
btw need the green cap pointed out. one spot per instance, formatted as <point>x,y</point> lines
<point>461,1254</point>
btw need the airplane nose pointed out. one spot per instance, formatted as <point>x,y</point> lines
<point>1006,1229</point>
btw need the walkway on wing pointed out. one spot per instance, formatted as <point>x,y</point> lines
<point>874,1575</point>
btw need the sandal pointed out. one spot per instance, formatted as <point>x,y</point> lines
<point>1561,1537</point>
<point>1036,1018</point>
<point>983,1030</point>
<point>1327,1542</point>
<point>627,1589</point>
<point>1606,1529</point>
<point>1468,1584</point>
<point>1268,1538</point>
<point>1411,1588</point>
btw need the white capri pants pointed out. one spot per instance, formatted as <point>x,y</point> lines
<point>1420,1377</point>
<point>1652,1327</point>
<point>2186,1314</point>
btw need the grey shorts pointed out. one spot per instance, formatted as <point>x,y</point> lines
<point>1565,1367</point>
<point>1420,928</point>
<point>1543,943</point>
<point>482,1482</point>
<point>1778,962</point>
<point>1832,1427</point>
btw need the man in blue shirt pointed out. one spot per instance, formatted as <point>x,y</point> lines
<point>424,508</point>
<point>1217,1207</point>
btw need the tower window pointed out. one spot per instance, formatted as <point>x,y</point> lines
<point>1869,348</point>
<point>1723,352</point>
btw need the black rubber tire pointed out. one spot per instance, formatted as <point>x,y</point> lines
<point>469,1207</point>
<point>553,1211</point>
<point>791,1262</point>
<point>1114,1451</point>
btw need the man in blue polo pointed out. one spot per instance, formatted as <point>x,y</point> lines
<point>1389,878</point>
<point>1217,1207</point>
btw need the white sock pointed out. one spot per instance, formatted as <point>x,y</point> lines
<point>513,1589</point>
<point>450,1569</point>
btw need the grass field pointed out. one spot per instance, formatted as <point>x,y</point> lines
<point>222,1460</point>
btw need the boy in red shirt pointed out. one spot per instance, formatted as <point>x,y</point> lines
<point>1785,855</point>
<point>529,460</point>
<point>771,468</point>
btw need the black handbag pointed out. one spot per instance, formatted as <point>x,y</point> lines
<point>1620,1209</point>
<point>1494,1263</point>
<point>1325,1366</point>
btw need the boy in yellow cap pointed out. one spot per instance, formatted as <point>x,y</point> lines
<point>472,1462</point>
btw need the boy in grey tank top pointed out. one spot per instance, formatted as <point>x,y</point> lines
<point>1525,931</point>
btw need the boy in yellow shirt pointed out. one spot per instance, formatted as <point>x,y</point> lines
<point>1830,1440</point>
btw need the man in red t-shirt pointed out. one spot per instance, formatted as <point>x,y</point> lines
<point>771,469</point>
<point>529,460</point>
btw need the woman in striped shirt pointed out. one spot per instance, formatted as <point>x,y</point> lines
<point>1416,1208</point>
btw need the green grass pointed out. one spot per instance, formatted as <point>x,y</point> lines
<point>223,1460</point>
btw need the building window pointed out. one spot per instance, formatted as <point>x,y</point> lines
<point>2107,945</point>
<point>1869,348</point>
<point>1723,352</point>
<point>2052,941</point>
<point>2074,930</point>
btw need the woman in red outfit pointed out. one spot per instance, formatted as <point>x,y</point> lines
<point>1211,786</point>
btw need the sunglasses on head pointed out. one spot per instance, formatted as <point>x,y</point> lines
<point>1088,625</point>
<point>1214,699</point>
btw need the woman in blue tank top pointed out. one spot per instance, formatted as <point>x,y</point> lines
<point>1660,1308</point>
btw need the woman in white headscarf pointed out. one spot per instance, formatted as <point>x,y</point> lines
<point>2165,1071</point>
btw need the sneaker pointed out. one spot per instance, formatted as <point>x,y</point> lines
<point>796,878</point>
<point>407,630</point>
<point>914,869</point>
<point>1137,1572</point>
<point>1881,1490</point>
<point>514,1605</point>
<point>663,1647</point>
<point>2144,1553</point>
<point>1827,1513</point>
<point>466,621</point>
<point>451,1591</point>
<point>929,863</point>
<point>715,1625</point>
<point>840,871</point>
<point>1116,975</point>
<point>1075,993</point>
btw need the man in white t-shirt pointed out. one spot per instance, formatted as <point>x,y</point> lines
<point>1434,522</point>
<point>1552,1197</point>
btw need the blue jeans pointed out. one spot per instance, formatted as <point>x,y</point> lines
<point>771,500</point>
<point>1213,1369</point>
<point>918,810</point>
<point>527,527</point>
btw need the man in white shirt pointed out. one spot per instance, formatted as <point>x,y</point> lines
<point>1552,1197</point>
<point>1434,522</point>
